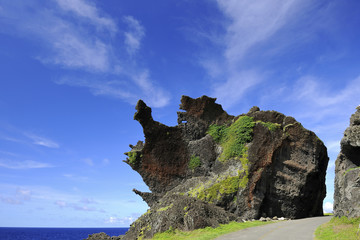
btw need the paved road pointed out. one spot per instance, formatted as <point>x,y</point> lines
<point>302,229</point>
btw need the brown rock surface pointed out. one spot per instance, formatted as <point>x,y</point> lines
<point>259,164</point>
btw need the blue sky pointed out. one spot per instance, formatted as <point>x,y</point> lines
<point>73,70</point>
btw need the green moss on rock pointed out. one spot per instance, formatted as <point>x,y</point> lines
<point>217,191</point>
<point>351,169</point>
<point>134,157</point>
<point>269,125</point>
<point>194,162</point>
<point>165,208</point>
<point>234,137</point>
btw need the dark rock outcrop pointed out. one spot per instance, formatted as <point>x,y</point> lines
<point>214,168</point>
<point>178,212</point>
<point>102,236</point>
<point>347,171</point>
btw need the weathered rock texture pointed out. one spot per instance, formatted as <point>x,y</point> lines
<point>347,171</point>
<point>214,168</point>
<point>102,236</point>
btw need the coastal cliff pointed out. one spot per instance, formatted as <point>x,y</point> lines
<point>213,168</point>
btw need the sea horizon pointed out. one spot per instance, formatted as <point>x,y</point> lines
<point>56,233</point>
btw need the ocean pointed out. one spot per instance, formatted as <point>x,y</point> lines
<point>55,233</point>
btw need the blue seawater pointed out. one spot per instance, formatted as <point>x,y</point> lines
<point>55,233</point>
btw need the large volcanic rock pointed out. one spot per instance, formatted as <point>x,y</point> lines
<point>214,168</point>
<point>347,171</point>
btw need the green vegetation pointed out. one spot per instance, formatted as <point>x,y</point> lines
<point>221,187</point>
<point>339,229</point>
<point>244,162</point>
<point>234,137</point>
<point>228,186</point>
<point>351,169</point>
<point>133,157</point>
<point>194,162</point>
<point>206,233</point>
<point>271,126</point>
<point>210,191</point>
<point>165,208</point>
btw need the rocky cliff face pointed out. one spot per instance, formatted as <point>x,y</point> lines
<point>347,171</point>
<point>214,168</point>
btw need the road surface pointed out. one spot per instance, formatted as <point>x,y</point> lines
<point>302,229</point>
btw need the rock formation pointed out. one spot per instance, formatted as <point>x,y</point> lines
<point>102,236</point>
<point>213,168</point>
<point>347,171</point>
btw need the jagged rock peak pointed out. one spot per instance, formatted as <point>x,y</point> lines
<point>258,164</point>
<point>347,171</point>
<point>203,108</point>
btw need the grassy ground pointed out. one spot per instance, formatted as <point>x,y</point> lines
<point>207,233</point>
<point>339,229</point>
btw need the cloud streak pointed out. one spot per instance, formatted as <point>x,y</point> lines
<point>78,37</point>
<point>22,165</point>
<point>89,12</point>
<point>82,205</point>
<point>134,35</point>
<point>45,142</point>
<point>122,221</point>
<point>252,23</point>
<point>20,197</point>
<point>248,31</point>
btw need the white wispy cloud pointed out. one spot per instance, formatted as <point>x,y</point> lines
<point>314,90</point>
<point>74,51</point>
<point>60,203</point>
<point>253,22</point>
<point>333,146</point>
<point>16,135</point>
<point>22,195</point>
<point>88,161</point>
<point>67,43</point>
<point>80,206</point>
<point>134,35</point>
<point>88,201</point>
<point>123,220</point>
<point>89,11</point>
<point>234,88</point>
<point>328,207</point>
<point>153,95</point>
<point>105,161</point>
<point>250,26</point>
<point>42,141</point>
<point>114,88</point>
<point>78,35</point>
<point>143,88</point>
<point>28,164</point>
<point>76,177</point>
<point>9,200</point>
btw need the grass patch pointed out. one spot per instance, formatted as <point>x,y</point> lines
<point>226,187</point>
<point>271,126</point>
<point>234,137</point>
<point>339,228</point>
<point>194,162</point>
<point>208,232</point>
